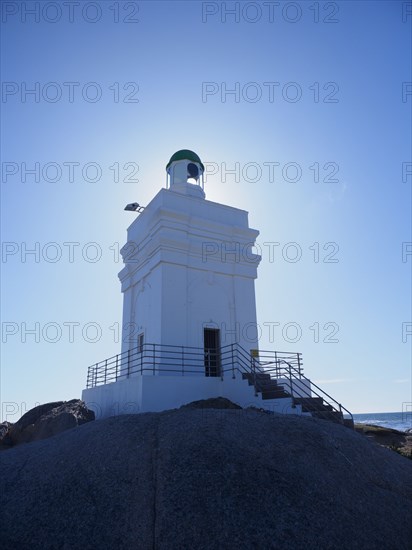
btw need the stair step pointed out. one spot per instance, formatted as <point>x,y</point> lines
<point>314,408</point>
<point>308,400</point>
<point>274,389</point>
<point>274,395</point>
<point>259,376</point>
<point>313,404</point>
<point>267,386</point>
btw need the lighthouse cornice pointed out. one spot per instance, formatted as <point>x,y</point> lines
<point>196,225</point>
<point>187,204</point>
<point>203,256</point>
<point>177,210</point>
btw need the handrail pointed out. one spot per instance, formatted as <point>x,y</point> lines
<point>291,371</point>
<point>328,396</point>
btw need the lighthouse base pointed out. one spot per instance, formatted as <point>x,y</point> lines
<point>139,394</point>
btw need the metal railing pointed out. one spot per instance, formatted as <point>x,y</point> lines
<point>160,359</point>
<point>266,370</point>
<point>271,361</point>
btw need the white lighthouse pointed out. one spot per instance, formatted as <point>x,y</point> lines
<point>189,269</point>
<point>189,312</point>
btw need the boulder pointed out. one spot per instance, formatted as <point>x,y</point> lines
<point>49,419</point>
<point>5,440</point>
<point>212,403</point>
<point>400,442</point>
<point>205,479</point>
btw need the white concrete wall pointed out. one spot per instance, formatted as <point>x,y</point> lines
<point>121,397</point>
<point>142,310</point>
<point>157,393</point>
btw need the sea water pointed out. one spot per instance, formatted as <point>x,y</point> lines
<point>401,421</point>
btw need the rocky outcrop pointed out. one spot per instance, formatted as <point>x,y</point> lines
<point>205,479</point>
<point>395,440</point>
<point>5,440</point>
<point>47,420</point>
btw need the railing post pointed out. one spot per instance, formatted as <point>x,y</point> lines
<point>141,360</point>
<point>154,359</point>
<point>254,375</point>
<point>291,381</point>
<point>219,363</point>
<point>233,363</point>
<point>300,374</point>
<point>95,375</point>
<point>128,362</point>
<point>105,371</point>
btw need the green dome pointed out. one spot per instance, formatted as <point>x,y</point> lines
<point>185,154</point>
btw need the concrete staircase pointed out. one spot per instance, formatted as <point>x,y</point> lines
<point>266,386</point>
<point>269,388</point>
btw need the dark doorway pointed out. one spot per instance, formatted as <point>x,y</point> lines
<point>212,351</point>
<point>140,342</point>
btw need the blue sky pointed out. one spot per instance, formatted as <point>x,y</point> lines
<point>165,60</point>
